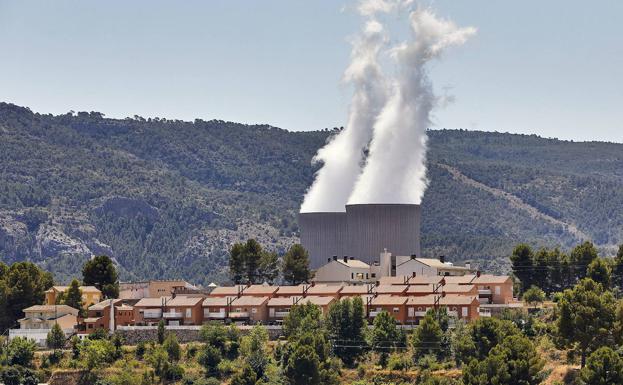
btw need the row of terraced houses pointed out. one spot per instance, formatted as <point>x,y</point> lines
<point>466,294</point>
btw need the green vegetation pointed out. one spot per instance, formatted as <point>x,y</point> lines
<point>295,269</point>
<point>101,273</point>
<point>22,285</point>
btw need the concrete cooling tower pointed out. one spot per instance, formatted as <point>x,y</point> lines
<point>363,231</point>
<point>323,235</point>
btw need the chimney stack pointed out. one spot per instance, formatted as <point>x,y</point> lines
<point>442,258</point>
<point>346,258</point>
<point>413,256</point>
<point>335,257</point>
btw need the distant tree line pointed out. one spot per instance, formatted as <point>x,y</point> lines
<point>553,271</point>
<point>249,263</point>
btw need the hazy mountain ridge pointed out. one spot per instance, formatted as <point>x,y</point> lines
<point>166,198</point>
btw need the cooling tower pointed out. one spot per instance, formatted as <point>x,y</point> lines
<point>374,227</point>
<point>363,231</point>
<point>323,235</point>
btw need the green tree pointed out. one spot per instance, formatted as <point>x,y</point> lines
<point>161,332</point>
<point>582,256</point>
<point>249,263</point>
<point>172,347</point>
<point>253,349</point>
<point>295,268</point>
<point>245,377</point>
<point>303,367</point>
<point>215,334</point>
<point>73,297</point>
<point>56,338</point>
<point>514,361</point>
<point>101,273</point>
<point>603,367</point>
<point>209,358</point>
<point>618,269</point>
<point>11,376</point>
<point>534,295</point>
<point>269,267</point>
<point>482,336</point>
<point>586,316</point>
<point>22,285</point>
<point>97,353</point>
<point>158,358</point>
<point>427,338</point>
<point>522,264</point>
<point>345,325</point>
<point>385,337</point>
<point>599,270</point>
<point>302,318</point>
<point>20,351</point>
<point>236,263</point>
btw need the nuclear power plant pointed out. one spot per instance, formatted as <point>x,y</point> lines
<point>363,231</point>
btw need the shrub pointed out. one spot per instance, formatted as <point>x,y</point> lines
<point>398,361</point>
<point>140,350</point>
<point>20,352</point>
<point>172,347</point>
<point>11,376</point>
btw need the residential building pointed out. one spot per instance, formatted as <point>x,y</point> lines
<point>216,308</point>
<point>390,289</point>
<point>356,291</point>
<point>279,307</point>
<point>181,310</point>
<point>324,290</point>
<point>249,309</point>
<point>394,305</point>
<point>291,290</point>
<point>260,290</point>
<point>39,319</point>
<point>90,295</point>
<point>460,306</point>
<point>408,265</point>
<point>228,291</point>
<point>107,315</point>
<point>346,270</point>
<point>46,316</point>
<point>148,311</point>
<point>492,289</point>
<point>153,288</point>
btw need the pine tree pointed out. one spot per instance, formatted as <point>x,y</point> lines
<point>522,265</point>
<point>295,268</point>
<point>56,337</point>
<point>73,296</point>
<point>101,273</point>
<point>427,337</point>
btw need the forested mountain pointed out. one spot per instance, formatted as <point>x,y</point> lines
<point>166,198</point>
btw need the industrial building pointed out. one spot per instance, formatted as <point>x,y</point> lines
<point>362,231</point>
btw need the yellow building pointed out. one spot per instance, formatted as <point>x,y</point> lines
<point>90,295</point>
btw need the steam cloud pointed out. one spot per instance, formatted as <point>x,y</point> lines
<point>395,169</point>
<point>343,156</point>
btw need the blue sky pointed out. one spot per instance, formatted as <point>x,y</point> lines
<point>553,68</point>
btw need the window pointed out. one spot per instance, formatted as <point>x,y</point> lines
<point>352,275</point>
<point>366,275</point>
<point>373,275</point>
<point>189,313</point>
<point>464,313</point>
<point>497,290</point>
<point>396,310</point>
<point>254,310</point>
<point>359,275</point>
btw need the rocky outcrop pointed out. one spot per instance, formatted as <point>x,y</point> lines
<point>52,241</point>
<point>127,207</point>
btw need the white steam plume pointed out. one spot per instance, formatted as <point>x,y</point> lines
<point>395,170</point>
<point>342,156</point>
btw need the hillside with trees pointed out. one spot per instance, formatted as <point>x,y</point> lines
<point>168,198</point>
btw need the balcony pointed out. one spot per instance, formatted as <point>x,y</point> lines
<point>374,313</point>
<point>453,313</point>
<point>281,314</point>
<point>239,314</point>
<point>418,314</point>
<point>172,314</point>
<point>484,292</point>
<point>214,315</point>
<point>152,314</point>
